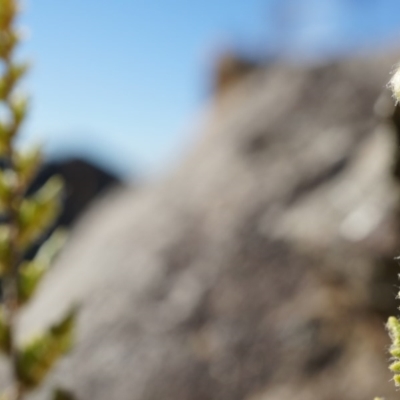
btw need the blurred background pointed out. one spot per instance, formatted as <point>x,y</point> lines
<point>256,263</point>
<point>120,85</point>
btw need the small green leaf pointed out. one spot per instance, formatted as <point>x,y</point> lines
<point>8,40</point>
<point>32,272</point>
<point>5,248</point>
<point>4,334</point>
<point>62,394</point>
<point>395,352</point>
<point>8,128</point>
<point>19,108</point>
<point>395,367</point>
<point>7,131</point>
<point>393,326</point>
<point>8,184</point>
<point>63,332</point>
<point>27,164</point>
<point>7,82</point>
<point>36,359</point>
<point>38,213</point>
<point>8,10</point>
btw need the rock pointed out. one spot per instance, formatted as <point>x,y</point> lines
<point>84,182</point>
<point>258,269</point>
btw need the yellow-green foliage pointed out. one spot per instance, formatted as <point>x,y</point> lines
<point>31,272</point>
<point>394,84</point>
<point>27,220</point>
<point>393,326</point>
<point>38,356</point>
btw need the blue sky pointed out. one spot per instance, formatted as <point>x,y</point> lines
<point>121,82</point>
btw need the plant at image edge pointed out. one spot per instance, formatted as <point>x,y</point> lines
<point>24,220</point>
<point>393,323</point>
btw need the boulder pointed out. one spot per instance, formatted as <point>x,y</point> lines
<point>260,267</point>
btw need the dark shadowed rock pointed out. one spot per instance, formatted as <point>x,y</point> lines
<point>260,268</point>
<point>84,181</point>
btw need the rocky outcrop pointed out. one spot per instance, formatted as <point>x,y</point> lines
<point>84,182</point>
<point>260,268</point>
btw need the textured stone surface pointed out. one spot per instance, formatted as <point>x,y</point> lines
<point>258,268</point>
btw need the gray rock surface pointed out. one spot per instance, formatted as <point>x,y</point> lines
<point>259,268</point>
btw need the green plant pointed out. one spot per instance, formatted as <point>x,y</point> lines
<point>25,220</point>
<point>393,324</point>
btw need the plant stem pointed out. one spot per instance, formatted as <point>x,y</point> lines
<point>10,281</point>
